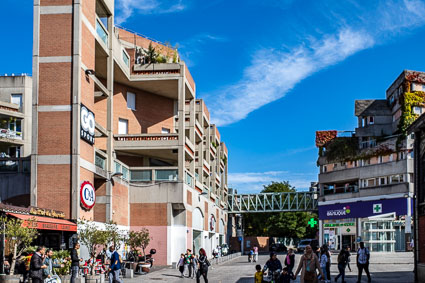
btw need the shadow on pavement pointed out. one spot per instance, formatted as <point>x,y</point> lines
<point>174,275</point>
<point>384,276</point>
<point>245,280</point>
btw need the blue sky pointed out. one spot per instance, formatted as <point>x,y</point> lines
<point>272,73</point>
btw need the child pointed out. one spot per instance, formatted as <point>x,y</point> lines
<point>180,264</point>
<point>286,276</point>
<point>258,278</point>
<point>323,262</point>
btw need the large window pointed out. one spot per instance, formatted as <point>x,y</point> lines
<point>125,58</point>
<point>131,101</point>
<point>122,126</point>
<point>16,99</point>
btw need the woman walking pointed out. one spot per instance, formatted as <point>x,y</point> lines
<point>323,263</point>
<point>203,265</point>
<point>308,263</point>
<point>342,263</point>
<point>290,260</point>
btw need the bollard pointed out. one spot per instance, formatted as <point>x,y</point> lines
<point>129,273</point>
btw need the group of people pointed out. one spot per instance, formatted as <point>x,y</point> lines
<point>194,265</point>
<point>311,261</point>
<point>42,264</point>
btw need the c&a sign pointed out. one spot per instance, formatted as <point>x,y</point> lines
<point>87,195</point>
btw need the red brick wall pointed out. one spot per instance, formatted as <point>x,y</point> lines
<point>120,204</point>
<point>152,111</point>
<point>54,84</point>
<point>54,133</point>
<point>55,35</point>
<point>148,214</point>
<point>189,197</point>
<point>55,2</point>
<point>188,218</point>
<point>206,217</point>
<point>53,188</point>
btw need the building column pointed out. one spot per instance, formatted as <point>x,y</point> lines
<point>181,128</point>
<point>321,232</point>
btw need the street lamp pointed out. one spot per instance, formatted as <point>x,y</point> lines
<point>202,194</point>
<point>116,174</point>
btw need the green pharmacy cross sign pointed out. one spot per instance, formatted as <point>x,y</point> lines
<point>312,222</point>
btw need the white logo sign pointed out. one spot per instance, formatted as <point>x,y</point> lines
<point>87,125</point>
<point>377,208</point>
<point>87,195</point>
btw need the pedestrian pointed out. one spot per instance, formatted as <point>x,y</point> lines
<point>348,258</point>
<point>180,265</point>
<point>328,263</point>
<point>342,263</point>
<point>114,267</point>
<point>285,276</point>
<point>48,261</point>
<point>255,253</point>
<point>290,260</point>
<point>188,263</point>
<point>308,263</point>
<point>75,262</point>
<point>194,262</point>
<point>323,263</point>
<point>258,277</point>
<point>363,257</point>
<point>203,265</point>
<point>37,266</point>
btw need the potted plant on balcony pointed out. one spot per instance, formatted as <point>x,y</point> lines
<point>18,235</point>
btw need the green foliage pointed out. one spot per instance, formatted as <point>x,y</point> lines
<point>410,99</point>
<point>113,235</point>
<point>91,236</point>
<point>139,239</point>
<point>62,257</point>
<point>282,224</point>
<point>151,54</point>
<point>342,149</point>
<point>161,59</point>
<point>19,236</point>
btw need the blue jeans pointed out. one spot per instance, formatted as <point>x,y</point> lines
<point>325,277</point>
<point>341,269</point>
<point>114,275</point>
<point>74,273</point>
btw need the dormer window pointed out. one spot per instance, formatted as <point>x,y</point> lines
<point>371,120</point>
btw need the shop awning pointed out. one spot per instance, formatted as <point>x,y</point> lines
<point>46,223</point>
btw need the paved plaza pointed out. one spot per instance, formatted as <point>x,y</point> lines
<point>388,268</point>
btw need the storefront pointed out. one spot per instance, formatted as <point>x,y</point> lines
<point>380,223</point>
<point>53,231</point>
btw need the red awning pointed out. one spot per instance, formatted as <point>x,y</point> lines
<point>47,223</point>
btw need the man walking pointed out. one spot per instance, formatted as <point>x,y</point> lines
<point>37,266</point>
<point>48,261</point>
<point>75,262</point>
<point>188,263</point>
<point>363,257</point>
<point>115,267</point>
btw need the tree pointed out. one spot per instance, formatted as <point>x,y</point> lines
<point>19,235</point>
<point>113,235</point>
<point>282,224</point>
<point>139,239</point>
<point>92,237</point>
<point>151,54</point>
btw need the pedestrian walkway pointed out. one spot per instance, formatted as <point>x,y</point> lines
<point>385,268</point>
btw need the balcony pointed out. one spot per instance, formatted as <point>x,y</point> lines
<point>15,165</point>
<point>10,136</point>
<point>341,190</point>
<point>206,167</point>
<point>153,174</point>
<point>146,141</point>
<point>190,148</point>
<point>10,110</point>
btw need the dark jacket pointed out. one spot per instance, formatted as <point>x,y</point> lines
<point>35,266</point>
<point>273,265</point>
<point>291,261</point>
<point>115,261</point>
<point>75,261</point>
<point>203,264</point>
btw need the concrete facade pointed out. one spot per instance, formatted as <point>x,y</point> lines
<point>376,166</point>
<point>148,127</point>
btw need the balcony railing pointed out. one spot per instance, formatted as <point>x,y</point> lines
<point>341,190</point>
<point>147,137</point>
<point>121,168</point>
<point>145,174</point>
<point>368,144</point>
<point>9,134</point>
<point>189,180</point>
<point>99,162</point>
<point>9,165</point>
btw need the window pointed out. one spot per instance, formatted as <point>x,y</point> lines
<point>394,179</point>
<point>125,58</point>
<point>382,181</point>
<point>391,99</point>
<point>391,157</point>
<point>122,126</point>
<point>165,130</point>
<point>379,159</point>
<point>417,110</point>
<point>371,120</point>
<point>131,101</point>
<point>16,99</point>
<point>371,182</point>
<point>325,168</point>
<point>400,90</point>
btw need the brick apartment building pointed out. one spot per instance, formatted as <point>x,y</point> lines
<point>118,139</point>
<point>366,176</point>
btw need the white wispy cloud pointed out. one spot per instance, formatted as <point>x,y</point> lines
<point>253,182</point>
<point>191,48</point>
<point>127,8</point>
<point>273,72</point>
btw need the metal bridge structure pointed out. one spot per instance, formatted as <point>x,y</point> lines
<point>272,202</point>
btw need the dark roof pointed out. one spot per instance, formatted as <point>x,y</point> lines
<point>372,107</point>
